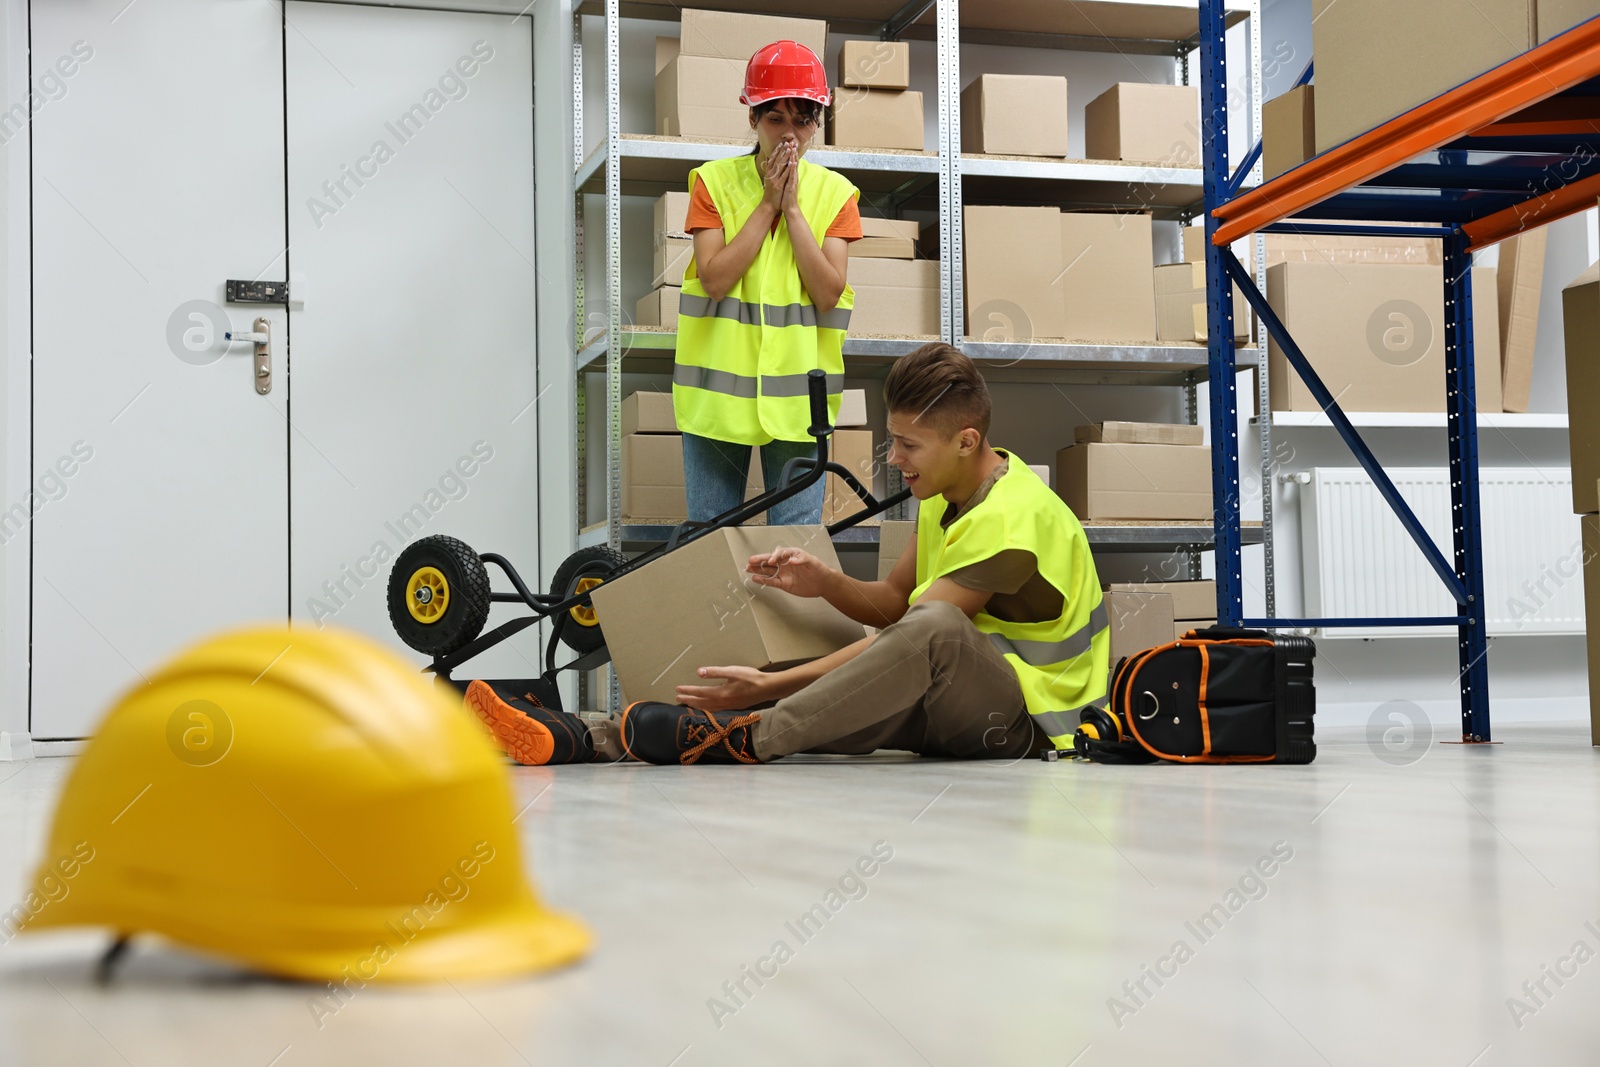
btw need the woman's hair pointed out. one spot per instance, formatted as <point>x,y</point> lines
<point>940,387</point>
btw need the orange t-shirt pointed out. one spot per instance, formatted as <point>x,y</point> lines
<point>703,215</point>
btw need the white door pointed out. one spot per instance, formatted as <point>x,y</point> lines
<point>159,509</point>
<point>410,170</point>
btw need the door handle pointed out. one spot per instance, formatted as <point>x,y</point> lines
<point>261,337</point>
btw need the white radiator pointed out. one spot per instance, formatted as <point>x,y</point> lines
<point>1360,562</point>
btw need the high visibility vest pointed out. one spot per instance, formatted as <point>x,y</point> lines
<point>741,366</point>
<point>1061,664</point>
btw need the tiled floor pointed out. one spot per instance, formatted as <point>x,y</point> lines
<point>1407,904</point>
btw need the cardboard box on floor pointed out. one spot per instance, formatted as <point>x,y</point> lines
<point>894,538</point>
<point>1142,122</point>
<point>1192,602</point>
<point>1119,482</point>
<point>1181,305</point>
<point>648,411</point>
<point>1014,279</point>
<point>1137,621</point>
<point>1591,606</point>
<point>1368,65</point>
<point>732,35</point>
<point>1521,280</point>
<point>1106,284</point>
<point>877,118</point>
<point>875,65</point>
<point>694,607</point>
<point>895,297</point>
<point>1375,335</point>
<point>659,307</point>
<point>1580,306</point>
<point>1288,131</point>
<point>698,97</point>
<point>1015,115</point>
<point>652,479</point>
<point>1140,433</point>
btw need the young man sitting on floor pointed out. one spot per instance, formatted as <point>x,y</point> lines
<point>994,634</point>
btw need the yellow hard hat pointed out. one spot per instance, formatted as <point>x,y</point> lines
<point>304,802</point>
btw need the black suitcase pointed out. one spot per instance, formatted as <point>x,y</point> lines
<point>1219,695</point>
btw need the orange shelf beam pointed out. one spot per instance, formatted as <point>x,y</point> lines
<point>1553,67</point>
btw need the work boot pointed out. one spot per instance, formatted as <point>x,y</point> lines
<point>673,733</point>
<point>527,731</point>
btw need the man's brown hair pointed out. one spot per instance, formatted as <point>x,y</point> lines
<point>940,387</point>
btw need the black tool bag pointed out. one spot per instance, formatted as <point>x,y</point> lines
<point>1219,695</point>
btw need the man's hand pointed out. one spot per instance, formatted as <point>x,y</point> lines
<point>744,687</point>
<point>794,570</point>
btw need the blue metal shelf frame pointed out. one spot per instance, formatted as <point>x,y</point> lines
<point>1456,191</point>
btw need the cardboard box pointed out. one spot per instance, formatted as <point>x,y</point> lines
<point>1194,244</point>
<point>671,215</point>
<point>1580,305</point>
<point>667,49</point>
<point>1556,17</point>
<point>1368,68</point>
<point>1137,621</point>
<point>1591,609</point>
<point>877,118</point>
<point>895,297</point>
<point>672,255</point>
<point>1294,248</point>
<point>1288,131</point>
<point>1041,472</point>
<point>647,411</point>
<point>1114,481</point>
<point>1374,332</point>
<point>876,226</point>
<point>1140,433</point>
<point>652,479</point>
<point>1106,284</point>
<point>659,307</point>
<point>852,409</point>
<point>875,65</point>
<point>886,239</point>
<point>1521,280</point>
<point>1144,123</point>
<point>894,538</point>
<point>1181,305</point>
<point>1015,115</point>
<point>1192,602</point>
<point>728,35</point>
<point>698,97</point>
<point>1014,279</point>
<point>694,607</point>
<point>852,450</point>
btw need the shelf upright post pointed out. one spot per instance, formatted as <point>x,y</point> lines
<point>1462,419</point>
<point>951,294</point>
<point>1219,317</point>
<point>1258,245</point>
<point>613,299</point>
<point>580,422</point>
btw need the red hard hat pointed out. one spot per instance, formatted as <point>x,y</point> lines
<point>785,69</point>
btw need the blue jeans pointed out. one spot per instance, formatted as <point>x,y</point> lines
<point>715,474</point>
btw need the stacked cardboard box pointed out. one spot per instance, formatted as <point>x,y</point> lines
<point>717,615</point>
<point>1136,471</point>
<point>653,483</point>
<point>1181,305</point>
<point>895,297</point>
<point>874,105</point>
<point>1521,279</point>
<point>886,239</point>
<point>1288,131</point>
<point>1143,123</point>
<point>698,88</point>
<point>1015,115</point>
<point>671,245</point>
<point>1374,333</point>
<point>1094,284</point>
<point>894,538</point>
<point>1147,614</point>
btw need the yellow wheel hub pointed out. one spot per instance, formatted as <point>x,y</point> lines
<point>427,595</point>
<point>583,614</point>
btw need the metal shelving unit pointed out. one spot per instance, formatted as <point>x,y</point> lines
<point>1508,150</point>
<point>648,165</point>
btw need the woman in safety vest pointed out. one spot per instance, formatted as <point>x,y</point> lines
<point>764,298</point>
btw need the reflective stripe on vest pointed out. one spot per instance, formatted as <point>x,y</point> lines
<point>740,311</point>
<point>741,385</point>
<point>1061,723</point>
<point>1044,653</point>
<point>796,384</point>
